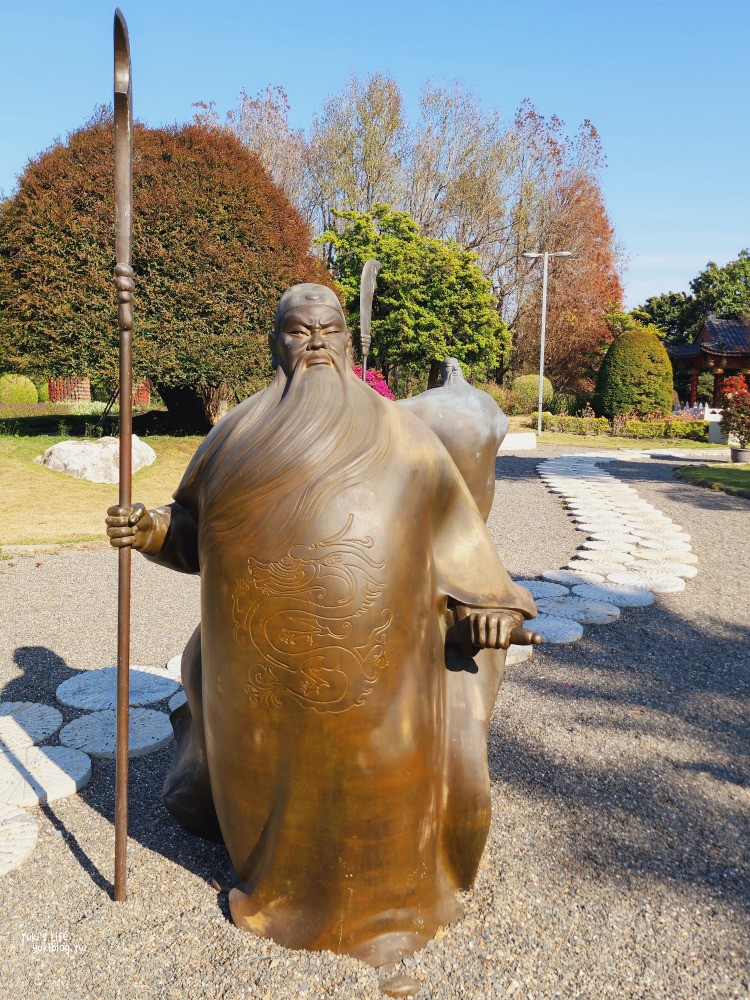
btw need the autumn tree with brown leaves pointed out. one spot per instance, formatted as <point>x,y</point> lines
<point>464,175</point>
<point>581,289</point>
<point>215,243</point>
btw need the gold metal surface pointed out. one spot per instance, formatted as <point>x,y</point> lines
<point>331,737</point>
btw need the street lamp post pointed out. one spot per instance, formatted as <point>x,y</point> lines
<point>531,255</point>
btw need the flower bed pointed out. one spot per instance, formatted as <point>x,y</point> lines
<point>375,379</point>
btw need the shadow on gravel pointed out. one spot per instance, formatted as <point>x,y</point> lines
<point>674,696</point>
<point>148,821</point>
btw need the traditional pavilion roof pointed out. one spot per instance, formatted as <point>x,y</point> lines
<point>691,351</point>
<point>725,337</point>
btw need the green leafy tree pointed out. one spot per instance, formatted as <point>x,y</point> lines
<point>721,290</point>
<point>635,376</point>
<point>215,243</point>
<point>725,290</point>
<point>675,313</point>
<point>432,301</point>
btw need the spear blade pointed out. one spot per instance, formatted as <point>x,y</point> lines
<point>123,122</point>
<point>366,293</point>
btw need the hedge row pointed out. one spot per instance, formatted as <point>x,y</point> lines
<point>692,430</point>
<point>563,424</point>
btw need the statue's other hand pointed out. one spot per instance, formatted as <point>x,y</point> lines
<point>128,526</point>
<point>497,628</point>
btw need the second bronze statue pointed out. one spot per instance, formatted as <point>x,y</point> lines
<point>331,738</point>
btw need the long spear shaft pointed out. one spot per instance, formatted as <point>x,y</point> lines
<point>366,292</point>
<point>123,255</point>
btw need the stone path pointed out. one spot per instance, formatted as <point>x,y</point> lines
<point>608,572</point>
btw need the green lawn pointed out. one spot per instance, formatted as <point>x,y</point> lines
<point>729,478</point>
<point>39,507</point>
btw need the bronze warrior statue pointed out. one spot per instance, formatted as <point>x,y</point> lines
<point>326,738</point>
<point>471,426</point>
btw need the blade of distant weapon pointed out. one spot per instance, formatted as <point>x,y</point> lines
<point>366,292</point>
<point>123,254</point>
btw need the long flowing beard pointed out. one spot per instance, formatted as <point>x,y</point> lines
<point>315,435</point>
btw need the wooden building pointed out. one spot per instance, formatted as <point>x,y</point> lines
<point>721,348</point>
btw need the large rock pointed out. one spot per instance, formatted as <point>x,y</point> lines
<point>98,461</point>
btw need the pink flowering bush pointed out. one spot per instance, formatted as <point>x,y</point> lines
<point>734,399</point>
<point>375,379</point>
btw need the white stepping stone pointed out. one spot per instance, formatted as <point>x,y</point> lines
<point>599,566</point>
<point>180,698</point>
<point>24,723</point>
<point>557,630</point>
<point>580,610</point>
<point>97,689</point>
<point>584,521</point>
<point>605,555</point>
<point>615,593</point>
<point>612,535</point>
<point>685,570</point>
<point>659,583</point>
<point>597,546</point>
<point>18,834</point>
<point>95,733</point>
<point>664,545</point>
<point>39,775</point>
<point>542,588</point>
<point>514,654</point>
<point>669,555</point>
<point>569,578</point>
<point>664,536</point>
<point>174,666</point>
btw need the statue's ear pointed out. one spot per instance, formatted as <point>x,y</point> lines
<point>272,349</point>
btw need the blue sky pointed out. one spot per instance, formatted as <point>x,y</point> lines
<point>664,81</point>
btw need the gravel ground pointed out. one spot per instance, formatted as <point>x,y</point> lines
<point>616,864</point>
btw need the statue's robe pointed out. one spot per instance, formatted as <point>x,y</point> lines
<point>344,761</point>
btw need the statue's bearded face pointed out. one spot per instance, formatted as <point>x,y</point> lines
<point>312,335</point>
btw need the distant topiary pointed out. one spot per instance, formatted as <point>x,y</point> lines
<point>17,389</point>
<point>526,391</point>
<point>42,391</point>
<point>635,376</point>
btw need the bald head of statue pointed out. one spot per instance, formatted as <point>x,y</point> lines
<point>309,331</point>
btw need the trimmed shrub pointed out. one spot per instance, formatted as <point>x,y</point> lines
<point>526,392</point>
<point>695,430</point>
<point>215,243</point>
<point>17,389</point>
<point>42,391</point>
<point>690,430</point>
<point>563,424</point>
<point>504,398</point>
<point>564,403</point>
<point>635,376</point>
